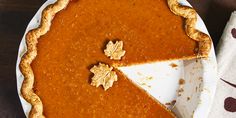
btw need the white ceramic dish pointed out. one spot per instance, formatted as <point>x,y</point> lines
<point>159,79</point>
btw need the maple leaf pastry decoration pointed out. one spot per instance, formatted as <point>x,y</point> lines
<point>103,75</point>
<point>114,50</point>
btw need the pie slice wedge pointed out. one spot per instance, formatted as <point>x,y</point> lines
<point>71,40</point>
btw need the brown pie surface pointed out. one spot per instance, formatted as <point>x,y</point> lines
<point>58,59</point>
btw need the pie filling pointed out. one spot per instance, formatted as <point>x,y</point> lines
<point>76,41</point>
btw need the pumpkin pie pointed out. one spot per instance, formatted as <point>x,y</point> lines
<point>72,44</point>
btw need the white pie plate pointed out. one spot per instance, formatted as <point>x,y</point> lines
<point>199,75</point>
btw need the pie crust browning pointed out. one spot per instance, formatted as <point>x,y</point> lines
<point>47,16</point>
<point>204,41</point>
<point>25,64</point>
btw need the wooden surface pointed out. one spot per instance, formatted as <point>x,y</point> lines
<point>16,14</point>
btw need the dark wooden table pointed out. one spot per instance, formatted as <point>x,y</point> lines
<point>16,14</point>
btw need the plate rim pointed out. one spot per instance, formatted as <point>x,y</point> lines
<point>34,23</point>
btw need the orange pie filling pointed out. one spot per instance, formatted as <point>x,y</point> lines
<point>76,41</point>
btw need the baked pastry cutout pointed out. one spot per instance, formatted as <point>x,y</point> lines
<point>149,36</point>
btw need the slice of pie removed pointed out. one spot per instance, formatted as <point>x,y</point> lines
<point>61,52</point>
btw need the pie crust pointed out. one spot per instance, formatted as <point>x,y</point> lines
<point>47,15</point>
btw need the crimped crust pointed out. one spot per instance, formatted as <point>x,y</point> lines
<point>204,41</point>
<point>31,42</point>
<point>48,15</point>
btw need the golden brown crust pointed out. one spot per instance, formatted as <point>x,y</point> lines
<point>47,16</point>
<point>204,41</point>
<point>31,42</point>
